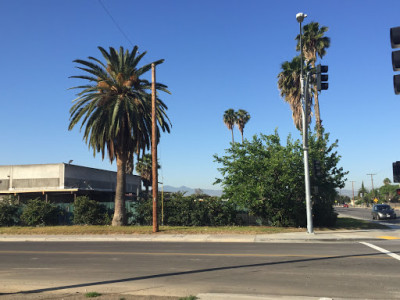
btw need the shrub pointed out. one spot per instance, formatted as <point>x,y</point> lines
<point>90,212</point>
<point>187,211</point>
<point>9,212</point>
<point>37,212</point>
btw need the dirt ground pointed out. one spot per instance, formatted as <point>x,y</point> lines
<point>79,296</point>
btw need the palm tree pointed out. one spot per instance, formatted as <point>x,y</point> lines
<point>114,106</point>
<point>230,120</point>
<point>289,86</point>
<point>145,170</point>
<point>314,45</point>
<point>242,117</point>
<point>386,181</point>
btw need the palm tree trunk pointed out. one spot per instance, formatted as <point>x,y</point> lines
<point>119,209</point>
<point>316,102</point>
<point>233,141</point>
<point>317,113</point>
<point>242,135</point>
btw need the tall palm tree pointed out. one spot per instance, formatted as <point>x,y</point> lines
<point>145,170</point>
<point>290,90</point>
<point>230,120</point>
<point>242,117</point>
<point>114,106</point>
<point>314,45</point>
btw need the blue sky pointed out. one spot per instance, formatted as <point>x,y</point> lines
<point>218,55</point>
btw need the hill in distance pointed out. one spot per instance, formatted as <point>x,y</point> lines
<point>190,191</point>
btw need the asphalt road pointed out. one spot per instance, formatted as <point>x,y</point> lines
<point>336,269</point>
<point>364,214</point>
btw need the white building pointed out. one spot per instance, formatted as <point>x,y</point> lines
<point>63,182</point>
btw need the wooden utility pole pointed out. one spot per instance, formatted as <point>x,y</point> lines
<point>372,181</point>
<point>154,146</point>
<point>352,185</point>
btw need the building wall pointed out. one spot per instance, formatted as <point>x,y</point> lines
<point>59,177</point>
<point>96,179</point>
<point>20,177</point>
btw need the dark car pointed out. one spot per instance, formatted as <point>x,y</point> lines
<point>382,211</point>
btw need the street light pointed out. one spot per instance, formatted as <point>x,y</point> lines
<point>304,101</point>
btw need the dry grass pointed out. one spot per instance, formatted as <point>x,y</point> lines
<point>81,230</point>
<point>342,223</point>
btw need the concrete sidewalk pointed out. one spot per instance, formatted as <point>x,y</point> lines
<point>291,237</point>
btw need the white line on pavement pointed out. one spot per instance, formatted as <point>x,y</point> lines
<point>381,250</point>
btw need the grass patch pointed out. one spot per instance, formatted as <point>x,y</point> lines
<point>341,224</point>
<point>92,295</point>
<point>352,224</point>
<point>189,298</point>
<point>82,230</point>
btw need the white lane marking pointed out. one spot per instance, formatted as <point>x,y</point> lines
<point>382,250</point>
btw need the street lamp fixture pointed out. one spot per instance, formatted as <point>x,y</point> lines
<point>300,17</point>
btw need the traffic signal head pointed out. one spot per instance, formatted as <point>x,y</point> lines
<point>395,37</point>
<point>395,42</point>
<point>396,171</point>
<point>396,84</point>
<point>322,79</point>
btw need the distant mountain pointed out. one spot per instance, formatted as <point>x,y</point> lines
<point>190,191</point>
<point>348,193</point>
<point>218,193</point>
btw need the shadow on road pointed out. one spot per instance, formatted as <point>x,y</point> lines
<point>188,273</point>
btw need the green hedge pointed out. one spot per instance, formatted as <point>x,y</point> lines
<point>9,212</point>
<point>37,212</point>
<point>187,211</point>
<point>90,212</point>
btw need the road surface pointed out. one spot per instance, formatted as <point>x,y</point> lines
<point>328,269</point>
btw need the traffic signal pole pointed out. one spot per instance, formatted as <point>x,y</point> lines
<point>304,95</point>
<point>305,104</point>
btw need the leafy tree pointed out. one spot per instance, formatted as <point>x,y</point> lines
<point>267,178</point>
<point>9,211</point>
<point>290,91</point>
<point>37,212</point>
<point>115,108</point>
<point>388,192</point>
<point>326,177</point>
<point>314,45</point>
<point>230,120</point>
<point>364,195</point>
<point>242,117</point>
<point>90,212</point>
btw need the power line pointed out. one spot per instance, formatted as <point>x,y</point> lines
<point>115,22</point>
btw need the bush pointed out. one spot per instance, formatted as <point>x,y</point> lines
<point>90,212</point>
<point>38,212</point>
<point>9,212</point>
<point>187,211</point>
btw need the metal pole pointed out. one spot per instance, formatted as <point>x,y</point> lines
<point>154,147</point>
<point>310,228</point>
<point>304,100</point>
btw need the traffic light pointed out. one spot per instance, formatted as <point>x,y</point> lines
<point>322,79</point>
<point>395,42</point>
<point>396,171</point>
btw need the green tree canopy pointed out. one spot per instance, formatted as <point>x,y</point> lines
<point>114,106</point>
<point>242,117</point>
<point>267,178</point>
<point>229,119</point>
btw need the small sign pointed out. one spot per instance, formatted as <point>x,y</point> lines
<point>376,200</point>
